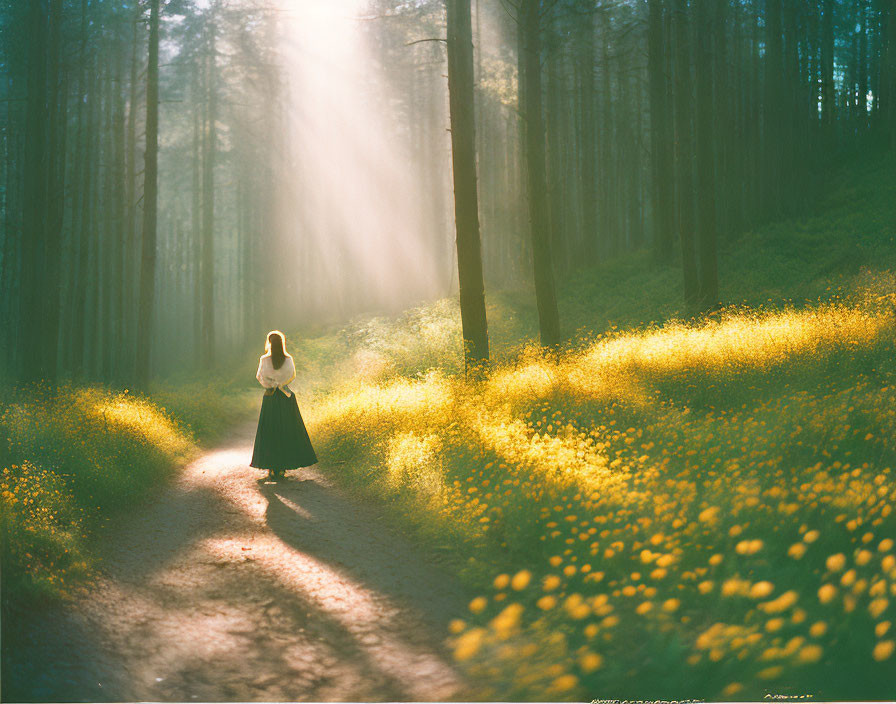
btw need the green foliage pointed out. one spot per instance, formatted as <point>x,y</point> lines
<point>74,457</point>
<point>663,509</point>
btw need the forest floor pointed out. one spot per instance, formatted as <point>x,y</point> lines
<point>230,587</point>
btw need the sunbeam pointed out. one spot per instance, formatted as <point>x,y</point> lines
<point>350,199</point>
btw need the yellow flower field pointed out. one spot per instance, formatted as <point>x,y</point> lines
<point>74,458</point>
<point>695,510</point>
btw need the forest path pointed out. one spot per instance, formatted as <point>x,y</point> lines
<point>228,587</point>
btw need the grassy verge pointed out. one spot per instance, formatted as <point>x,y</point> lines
<point>663,514</point>
<point>73,457</point>
<point>671,508</point>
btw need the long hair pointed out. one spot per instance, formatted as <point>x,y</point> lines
<point>276,347</point>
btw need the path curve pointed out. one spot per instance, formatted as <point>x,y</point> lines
<point>228,587</point>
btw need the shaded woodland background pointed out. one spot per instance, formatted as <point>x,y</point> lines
<point>178,178</point>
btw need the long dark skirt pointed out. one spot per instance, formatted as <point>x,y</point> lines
<point>281,441</point>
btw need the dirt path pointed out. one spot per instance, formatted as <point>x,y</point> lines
<point>227,587</point>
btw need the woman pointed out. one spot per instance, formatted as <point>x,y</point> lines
<point>281,441</point>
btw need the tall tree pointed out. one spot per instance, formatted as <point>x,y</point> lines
<point>828,106</point>
<point>705,139</point>
<point>207,264</point>
<point>129,338</point>
<point>661,137</point>
<point>684,151</point>
<point>466,205</point>
<point>539,222</point>
<point>196,218</point>
<point>35,198</point>
<point>150,204</point>
<point>774,108</point>
<point>55,204</point>
<point>85,189</point>
<point>589,140</point>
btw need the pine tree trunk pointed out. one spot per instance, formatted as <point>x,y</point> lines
<point>55,205</point>
<point>706,205</point>
<point>466,207</point>
<point>684,153</point>
<point>196,225</point>
<point>207,285</point>
<point>588,198</point>
<point>79,312</point>
<point>607,187</point>
<point>107,248</point>
<point>150,205</point>
<point>119,232</point>
<point>11,241</point>
<point>546,298</point>
<point>862,68</point>
<point>773,108</point>
<point>35,199</point>
<point>828,106</point>
<point>660,137</point>
<point>523,175</point>
<point>132,239</point>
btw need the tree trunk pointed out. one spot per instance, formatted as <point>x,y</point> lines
<point>773,109</point>
<point>109,235</point>
<point>862,68</point>
<point>607,187</point>
<point>588,197</point>
<point>828,106</point>
<point>684,152</point>
<point>523,175</point>
<point>128,264</point>
<point>706,201</point>
<point>81,280</point>
<point>119,232</point>
<point>150,205</point>
<point>9,275</point>
<point>55,205</point>
<point>35,199</point>
<point>661,142</point>
<point>196,224</point>
<point>546,298</point>
<point>466,207</point>
<point>208,205</point>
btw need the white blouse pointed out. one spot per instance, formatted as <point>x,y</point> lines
<point>271,378</point>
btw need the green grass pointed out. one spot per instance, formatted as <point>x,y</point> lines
<point>742,451</point>
<point>74,457</point>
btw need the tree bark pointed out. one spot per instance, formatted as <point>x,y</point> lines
<point>773,109</point>
<point>588,197</point>
<point>546,298</point>
<point>684,153</point>
<point>150,205</point>
<point>466,206</point>
<point>706,200</point>
<point>108,237</point>
<point>35,199</point>
<point>79,303</point>
<point>888,79</point>
<point>119,231</point>
<point>828,107</point>
<point>55,204</point>
<point>196,222</point>
<point>661,138</point>
<point>207,271</point>
<point>131,249</point>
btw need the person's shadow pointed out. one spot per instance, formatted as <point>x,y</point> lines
<point>316,520</point>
